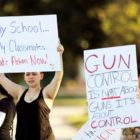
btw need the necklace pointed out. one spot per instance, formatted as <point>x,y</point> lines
<point>31,96</point>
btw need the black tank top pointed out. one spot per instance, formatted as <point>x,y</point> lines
<point>33,119</point>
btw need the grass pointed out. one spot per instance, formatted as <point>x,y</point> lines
<point>70,102</point>
<point>77,121</point>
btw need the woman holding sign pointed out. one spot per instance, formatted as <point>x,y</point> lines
<point>34,104</point>
<point>7,114</point>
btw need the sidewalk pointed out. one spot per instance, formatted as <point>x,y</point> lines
<point>61,128</point>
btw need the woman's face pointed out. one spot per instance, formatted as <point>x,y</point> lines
<point>33,79</point>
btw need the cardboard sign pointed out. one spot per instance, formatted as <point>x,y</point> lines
<point>111,86</point>
<point>29,43</point>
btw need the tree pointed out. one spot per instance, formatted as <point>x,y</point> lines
<point>121,23</point>
<point>85,24</point>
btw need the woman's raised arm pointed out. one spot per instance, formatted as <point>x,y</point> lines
<point>12,88</point>
<point>51,90</point>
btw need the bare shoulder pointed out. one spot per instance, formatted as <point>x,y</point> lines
<point>48,100</point>
<point>20,90</point>
<point>45,92</point>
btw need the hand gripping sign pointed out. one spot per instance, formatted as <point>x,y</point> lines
<point>111,87</point>
<point>28,43</point>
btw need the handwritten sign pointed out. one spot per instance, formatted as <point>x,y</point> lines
<point>87,133</point>
<point>111,86</point>
<point>29,43</point>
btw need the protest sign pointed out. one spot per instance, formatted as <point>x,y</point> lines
<point>111,86</point>
<point>87,133</point>
<point>29,43</point>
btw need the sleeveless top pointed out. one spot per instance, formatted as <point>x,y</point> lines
<point>33,119</point>
<point>7,106</point>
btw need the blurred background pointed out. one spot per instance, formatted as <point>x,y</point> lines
<point>82,24</point>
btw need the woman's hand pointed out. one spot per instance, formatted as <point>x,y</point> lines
<point>60,48</point>
<point>138,95</point>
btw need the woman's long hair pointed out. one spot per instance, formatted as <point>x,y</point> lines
<point>5,93</point>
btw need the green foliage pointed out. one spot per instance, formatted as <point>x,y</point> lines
<point>84,24</point>
<point>121,23</point>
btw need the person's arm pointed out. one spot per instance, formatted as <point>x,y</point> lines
<point>50,91</point>
<point>12,88</point>
<point>2,117</point>
<point>138,94</point>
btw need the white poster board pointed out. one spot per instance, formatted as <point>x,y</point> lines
<point>111,87</point>
<point>29,43</point>
<point>87,133</point>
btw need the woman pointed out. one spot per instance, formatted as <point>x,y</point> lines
<point>7,114</point>
<point>34,104</point>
